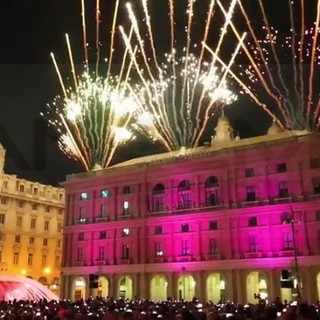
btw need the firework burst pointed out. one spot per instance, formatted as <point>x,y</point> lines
<point>93,116</point>
<point>180,91</point>
<point>280,70</point>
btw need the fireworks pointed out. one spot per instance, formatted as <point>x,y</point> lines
<point>181,90</point>
<point>281,72</point>
<point>93,116</point>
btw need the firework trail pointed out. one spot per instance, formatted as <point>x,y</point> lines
<point>280,71</point>
<point>179,91</point>
<point>92,117</point>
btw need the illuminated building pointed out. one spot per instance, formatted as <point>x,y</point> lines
<point>206,222</point>
<point>31,221</point>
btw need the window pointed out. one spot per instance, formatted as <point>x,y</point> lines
<point>16,258</point>
<point>211,191</point>
<point>314,163</point>
<point>103,235</point>
<point>59,243</point>
<point>17,239</point>
<point>158,203</point>
<point>318,215</point>
<point>80,255</point>
<point>158,230</point>
<point>19,221</point>
<point>81,236</point>
<point>2,218</point>
<point>158,249</point>
<point>126,208</point>
<point>47,209</point>
<point>2,236</point>
<point>0,256</point>
<point>283,189</point>
<point>105,193</point>
<point>281,167</point>
<point>185,247</point>
<point>30,259</point>
<point>31,240</point>
<point>101,253</point>
<point>126,190</point>
<point>5,184</point>
<point>60,196</point>
<point>45,242</point>
<point>20,203</point>
<point>125,252</point>
<point>287,241</point>
<point>252,222</point>
<point>21,188</point>
<point>4,200</point>
<point>46,225</point>
<point>251,193</point>
<point>125,232</point>
<point>60,211</point>
<point>184,227</point>
<point>249,173</point>
<point>44,261</point>
<point>33,223</point>
<point>83,196</point>
<point>35,191</point>
<point>103,211</point>
<point>59,227</point>
<point>316,185</point>
<point>213,225</point>
<point>82,215</point>
<point>57,262</point>
<point>253,243</point>
<point>184,195</point>
<point>213,246</point>
<point>34,207</point>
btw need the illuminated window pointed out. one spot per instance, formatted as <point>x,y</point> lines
<point>158,249</point>
<point>105,193</point>
<point>184,227</point>
<point>83,196</point>
<point>126,190</point>
<point>126,207</point>
<point>251,193</point>
<point>213,246</point>
<point>125,252</point>
<point>281,167</point>
<point>16,258</point>
<point>33,223</point>
<point>30,259</point>
<point>125,232</point>
<point>158,230</point>
<point>185,247</point>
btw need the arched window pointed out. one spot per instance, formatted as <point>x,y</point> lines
<point>211,191</point>
<point>158,203</point>
<point>184,195</point>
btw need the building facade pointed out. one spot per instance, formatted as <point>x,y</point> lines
<point>237,220</point>
<point>31,223</point>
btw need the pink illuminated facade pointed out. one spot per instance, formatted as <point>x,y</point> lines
<point>207,222</point>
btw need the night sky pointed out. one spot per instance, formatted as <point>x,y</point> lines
<point>30,30</point>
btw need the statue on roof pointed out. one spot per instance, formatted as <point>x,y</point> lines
<point>223,131</point>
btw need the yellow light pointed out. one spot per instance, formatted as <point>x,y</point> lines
<point>47,270</point>
<point>24,272</point>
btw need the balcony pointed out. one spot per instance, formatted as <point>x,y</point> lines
<point>124,261</point>
<point>253,255</point>
<point>101,262</point>
<point>286,253</point>
<point>213,257</point>
<point>157,260</point>
<point>184,258</point>
<point>102,219</point>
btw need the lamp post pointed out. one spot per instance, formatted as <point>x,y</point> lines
<point>289,217</point>
<point>184,282</point>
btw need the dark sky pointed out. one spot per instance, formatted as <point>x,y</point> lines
<point>30,30</point>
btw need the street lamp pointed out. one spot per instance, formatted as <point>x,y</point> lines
<point>289,218</point>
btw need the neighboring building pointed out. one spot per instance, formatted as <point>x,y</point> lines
<point>31,222</point>
<point>209,222</point>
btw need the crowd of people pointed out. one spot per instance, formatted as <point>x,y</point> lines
<point>109,309</point>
